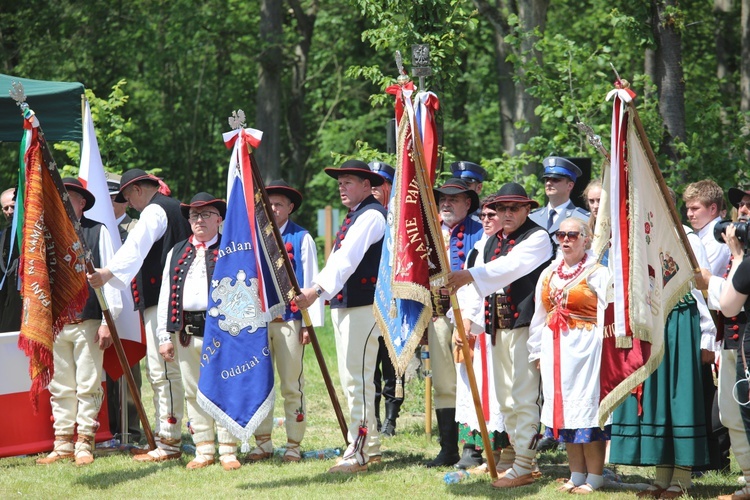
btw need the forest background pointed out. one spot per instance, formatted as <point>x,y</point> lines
<point>513,77</point>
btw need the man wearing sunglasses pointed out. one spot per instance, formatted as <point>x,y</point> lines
<point>456,201</point>
<point>504,279</point>
<point>559,178</point>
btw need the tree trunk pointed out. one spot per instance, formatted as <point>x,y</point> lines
<point>670,80</point>
<point>516,105</point>
<point>298,138</point>
<point>268,96</point>
<point>745,70</point>
<point>723,27</point>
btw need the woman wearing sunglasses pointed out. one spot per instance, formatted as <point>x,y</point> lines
<point>565,338</point>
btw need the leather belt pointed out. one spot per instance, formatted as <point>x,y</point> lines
<point>194,322</point>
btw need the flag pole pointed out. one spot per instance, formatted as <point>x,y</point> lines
<point>433,214</point>
<point>117,344</point>
<point>264,201</point>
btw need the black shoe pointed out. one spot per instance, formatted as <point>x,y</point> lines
<point>389,428</point>
<point>470,458</point>
<point>546,444</point>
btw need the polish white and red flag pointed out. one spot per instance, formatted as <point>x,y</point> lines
<point>93,177</point>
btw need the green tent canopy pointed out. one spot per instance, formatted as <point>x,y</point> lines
<point>57,106</point>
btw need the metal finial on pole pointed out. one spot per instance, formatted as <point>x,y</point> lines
<point>420,58</point>
<point>237,120</point>
<point>594,139</point>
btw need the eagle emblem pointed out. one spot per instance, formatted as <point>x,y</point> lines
<point>238,303</point>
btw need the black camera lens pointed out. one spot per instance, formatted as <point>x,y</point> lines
<point>741,230</point>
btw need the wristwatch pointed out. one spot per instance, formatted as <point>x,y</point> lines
<point>318,290</point>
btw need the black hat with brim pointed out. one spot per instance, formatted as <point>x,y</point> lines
<point>358,168</point>
<point>735,196</point>
<point>73,184</point>
<point>454,185</point>
<point>201,200</point>
<point>284,189</point>
<point>511,192</point>
<point>132,176</point>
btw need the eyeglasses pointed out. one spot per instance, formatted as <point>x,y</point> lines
<point>508,208</point>
<point>571,235</point>
<point>743,204</point>
<point>488,215</point>
<point>202,215</point>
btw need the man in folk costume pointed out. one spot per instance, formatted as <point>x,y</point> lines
<point>455,201</point>
<point>560,175</point>
<point>385,372</point>
<point>139,262</point>
<point>124,224</point>
<point>181,319</point>
<point>287,336</point>
<point>348,282</point>
<point>480,340</point>
<point>507,273</point>
<point>76,386</point>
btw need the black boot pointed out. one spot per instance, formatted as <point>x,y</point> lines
<point>377,410</point>
<point>470,458</point>
<point>391,414</point>
<point>448,428</point>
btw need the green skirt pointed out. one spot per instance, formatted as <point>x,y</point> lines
<point>672,428</point>
<point>498,440</point>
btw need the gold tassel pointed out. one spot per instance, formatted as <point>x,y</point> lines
<point>399,388</point>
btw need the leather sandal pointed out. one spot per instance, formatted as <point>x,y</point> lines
<point>55,456</point>
<point>584,489</point>
<point>259,453</point>
<point>230,462</point>
<point>292,453</point>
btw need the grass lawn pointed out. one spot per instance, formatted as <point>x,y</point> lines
<point>400,475</point>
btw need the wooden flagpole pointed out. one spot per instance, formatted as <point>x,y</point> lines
<point>122,358</point>
<point>432,212</point>
<point>260,186</point>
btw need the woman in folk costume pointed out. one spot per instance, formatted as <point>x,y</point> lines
<point>565,338</point>
<point>663,422</point>
<point>481,344</point>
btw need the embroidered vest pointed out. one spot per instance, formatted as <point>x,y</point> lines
<point>463,238</point>
<point>183,255</point>
<point>147,283</point>
<point>359,289</point>
<point>515,307</point>
<point>293,236</point>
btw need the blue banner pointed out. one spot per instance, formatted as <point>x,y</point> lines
<point>236,381</point>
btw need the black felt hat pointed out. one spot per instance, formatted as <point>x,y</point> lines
<point>454,185</point>
<point>73,184</point>
<point>511,192</point>
<point>131,176</point>
<point>358,168</point>
<point>735,196</point>
<point>284,189</point>
<point>201,200</point>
